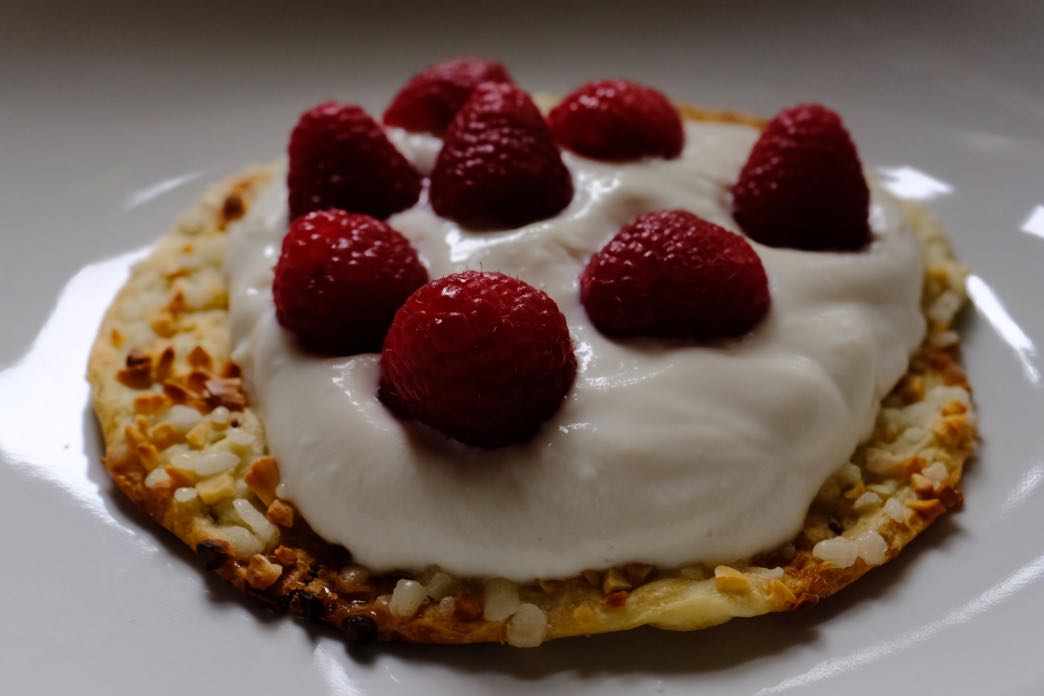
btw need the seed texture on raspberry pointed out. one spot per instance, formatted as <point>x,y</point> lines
<point>803,185</point>
<point>671,274</point>
<point>340,279</point>
<point>498,166</point>
<point>617,120</point>
<point>428,102</point>
<point>341,158</point>
<point>482,357</point>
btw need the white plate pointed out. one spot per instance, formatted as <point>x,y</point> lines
<point>112,121</point>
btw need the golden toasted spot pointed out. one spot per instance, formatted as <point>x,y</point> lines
<point>262,478</point>
<point>912,389</point>
<point>200,359</point>
<point>164,364</point>
<point>216,488</point>
<point>177,303</point>
<point>163,325</point>
<point>261,573</point>
<point>199,435</point>
<point>615,580</point>
<point>136,377</point>
<point>730,580</point>
<point>133,435</point>
<point>857,489</point>
<point>148,455</point>
<point>951,408</point>
<point>584,614</point>
<point>165,435</point>
<point>285,555</point>
<point>175,392</point>
<point>281,513</point>
<point>179,273</point>
<point>151,403</point>
<point>721,116</point>
<point>781,594</point>
<point>187,248</point>
<point>178,478</point>
<point>914,464</point>
<point>920,483</point>
<point>952,431</point>
<point>927,508</point>
<point>116,338</point>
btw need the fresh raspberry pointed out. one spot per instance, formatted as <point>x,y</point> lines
<point>498,166</point>
<point>340,280</point>
<point>803,186</point>
<point>483,357</point>
<point>617,120</point>
<point>430,99</point>
<point>341,158</point>
<point>673,274</point>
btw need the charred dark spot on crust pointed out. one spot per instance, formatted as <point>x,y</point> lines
<point>137,373</point>
<point>360,628</point>
<point>137,357</point>
<point>308,605</point>
<point>212,553</point>
<point>233,208</point>
<point>835,525</point>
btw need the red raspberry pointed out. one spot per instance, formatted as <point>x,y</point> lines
<point>340,280</point>
<point>617,120</point>
<point>341,158</point>
<point>483,357</point>
<point>803,186</point>
<point>430,99</point>
<point>498,166</point>
<point>673,274</point>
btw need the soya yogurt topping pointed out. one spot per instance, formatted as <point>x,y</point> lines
<point>663,453</point>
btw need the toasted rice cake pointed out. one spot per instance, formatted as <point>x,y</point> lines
<point>183,443</point>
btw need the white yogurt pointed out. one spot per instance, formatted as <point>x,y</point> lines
<point>662,453</point>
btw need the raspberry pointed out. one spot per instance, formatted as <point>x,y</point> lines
<point>673,274</point>
<point>803,186</point>
<point>340,280</point>
<point>617,120</point>
<point>430,99</point>
<point>341,158</point>
<point>483,357</point>
<point>498,166</point>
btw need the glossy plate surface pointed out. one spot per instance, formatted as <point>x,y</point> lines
<point>113,119</point>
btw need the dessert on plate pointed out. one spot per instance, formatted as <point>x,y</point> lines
<point>487,371</point>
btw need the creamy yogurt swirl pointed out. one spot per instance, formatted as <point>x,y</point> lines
<point>664,452</point>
